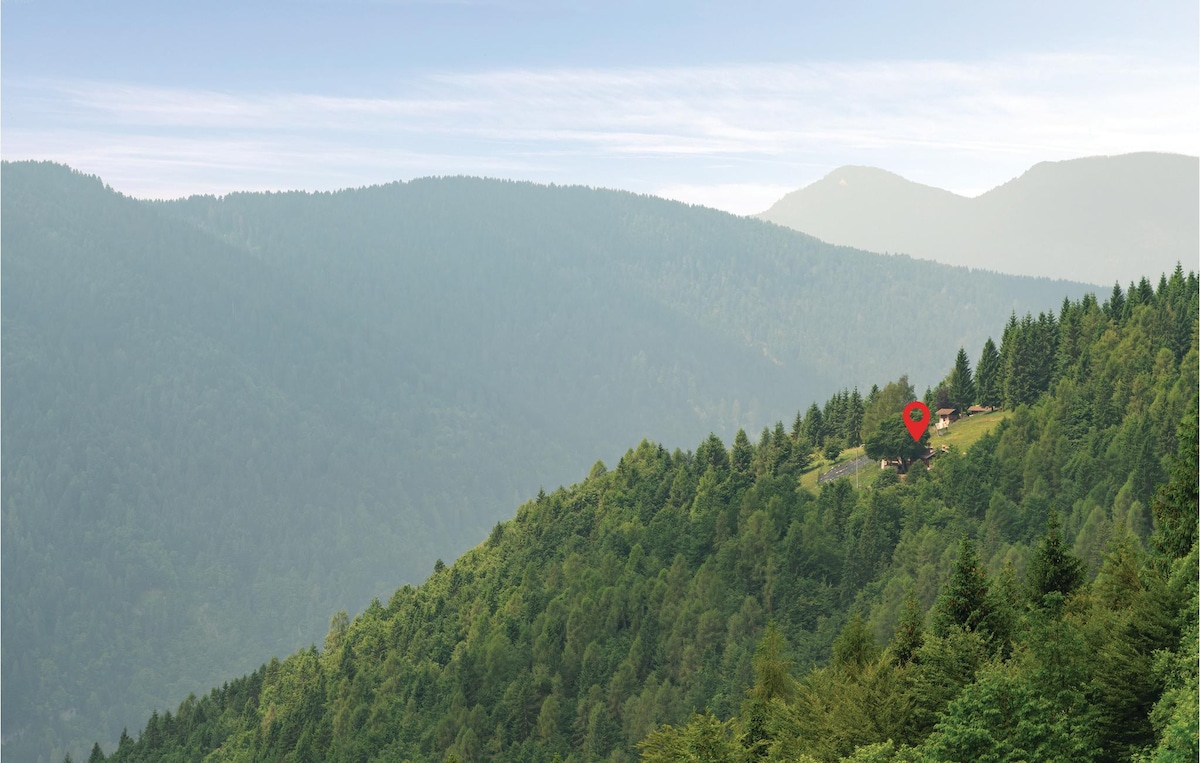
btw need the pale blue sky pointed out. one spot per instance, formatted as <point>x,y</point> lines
<point>725,104</point>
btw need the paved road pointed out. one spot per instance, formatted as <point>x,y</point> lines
<point>845,470</point>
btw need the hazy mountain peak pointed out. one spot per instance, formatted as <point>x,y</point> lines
<point>1100,218</point>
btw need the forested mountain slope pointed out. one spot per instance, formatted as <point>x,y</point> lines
<point>1036,596</point>
<point>1100,218</point>
<point>224,419</point>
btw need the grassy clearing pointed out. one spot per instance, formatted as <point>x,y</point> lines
<point>961,436</point>
<point>966,432</point>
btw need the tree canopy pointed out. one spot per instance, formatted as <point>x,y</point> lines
<point>892,441</point>
<point>677,606</point>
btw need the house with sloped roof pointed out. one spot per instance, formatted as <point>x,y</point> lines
<point>945,416</point>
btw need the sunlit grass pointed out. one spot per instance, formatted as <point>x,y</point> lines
<point>964,433</point>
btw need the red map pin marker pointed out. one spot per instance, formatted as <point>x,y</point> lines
<point>916,428</point>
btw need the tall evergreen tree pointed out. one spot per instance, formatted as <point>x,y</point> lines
<point>909,635</point>
<point>814,425</point>
<point>742,454</point>
<point>1114,308</point>
<point>988,390</point>
<point>1145,291</point>
<point>855,646</point>
<point>1026,363</point>
<point>1045,349</point>
<point>961,387</point>
<point>855,419</point>
<point>781,452</point>
<point>1053,568</point>
<point>964,603</point>
<point>772,680</point>
<point>1174,504</point>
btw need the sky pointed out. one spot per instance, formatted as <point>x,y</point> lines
<point>729,105</point>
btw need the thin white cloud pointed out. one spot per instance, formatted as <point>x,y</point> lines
<point>704,132</point>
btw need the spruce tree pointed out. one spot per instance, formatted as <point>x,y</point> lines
<point>1114,308</point>
<point>1022,366</point>
<point>988,375</point>
<point>909,635</point>
<point>781,451</point>
<point>742,454</point>
<point>1053,568</point>
<point>964,604</point>
<point>772,680</point>
<point>962,383</point>
<point>814,425</point>
<point>1174,505</point>
<point>855,419</point>
<point>854,647</point>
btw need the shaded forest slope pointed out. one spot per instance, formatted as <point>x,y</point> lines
<point>223,419</point>
<point>1038,589</point>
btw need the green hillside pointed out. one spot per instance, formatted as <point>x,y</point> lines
<point>1032,599</point>
<point>224,419</point>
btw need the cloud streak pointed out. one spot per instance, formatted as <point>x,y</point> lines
<point>703,131</point>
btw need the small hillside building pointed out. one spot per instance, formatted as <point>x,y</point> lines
<point>945,416</point>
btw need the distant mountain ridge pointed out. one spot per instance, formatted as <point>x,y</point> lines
<point>1101,219</point>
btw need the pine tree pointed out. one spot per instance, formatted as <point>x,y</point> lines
<point>910,634</point>
<point>854,647</point>
<point>712,455</point>
<point>814,425</point>
<point>1022,369</point>
<point>742,454</point>
<point>1145,291</point>
<point>855,419</point>
<point>772,680</point>
<point>1045,348</point>
<point>1174,505</point>
<point>1114,308</point>
<point>988,376</point>
<point>1053,568</point>
<point>962,383</point>
<point>1070,339</point>
<point>781,451</point>
<point>704,738</point>
<point>964,604</point>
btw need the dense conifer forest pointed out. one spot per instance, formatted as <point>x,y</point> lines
<point>1032,598</point>
<point>224,419</point>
